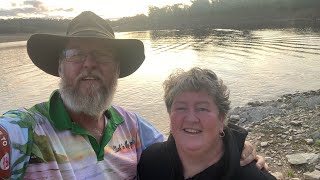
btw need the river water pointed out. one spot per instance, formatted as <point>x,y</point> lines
<point>256,65</point>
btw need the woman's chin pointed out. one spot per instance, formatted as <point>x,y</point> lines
<point>192,146</point>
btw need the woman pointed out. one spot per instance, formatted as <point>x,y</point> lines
<point>200,145</point>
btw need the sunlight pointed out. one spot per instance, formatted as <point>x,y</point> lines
<point>157,63</point>
<point>125,8</point>
<point>106,9</point>
<point>111,9</point>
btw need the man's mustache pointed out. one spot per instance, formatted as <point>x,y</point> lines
<point>94,74</point>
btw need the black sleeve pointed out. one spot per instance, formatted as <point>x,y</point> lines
<point>234,147</point>
<point>250,171</point>
<point>238,134</point>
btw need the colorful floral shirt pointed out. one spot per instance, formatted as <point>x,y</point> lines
<point>43,143</point>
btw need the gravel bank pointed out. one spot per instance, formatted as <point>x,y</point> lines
<point>286,131</point>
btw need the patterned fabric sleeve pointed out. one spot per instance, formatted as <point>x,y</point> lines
<point>16,144</point>
<point>148,133</point>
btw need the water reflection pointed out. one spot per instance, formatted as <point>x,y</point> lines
<point>255,64</point>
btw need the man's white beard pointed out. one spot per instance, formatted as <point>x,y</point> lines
<point>97,99</point>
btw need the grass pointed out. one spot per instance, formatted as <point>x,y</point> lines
<point>290,173</point>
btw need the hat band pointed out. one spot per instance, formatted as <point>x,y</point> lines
<point>91,33</point>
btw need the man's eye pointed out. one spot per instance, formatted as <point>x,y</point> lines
<point>76,55</point>
<point>72,53</point>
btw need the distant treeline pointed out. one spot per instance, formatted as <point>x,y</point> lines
<point>200,14</point>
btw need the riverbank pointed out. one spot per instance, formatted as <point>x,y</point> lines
<point>14,37</point>
<point>22,36</point>
<point>286,131</point>
<point>199,24</point>
<point>218,22</point>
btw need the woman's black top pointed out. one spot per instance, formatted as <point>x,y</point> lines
<point>160,161</point>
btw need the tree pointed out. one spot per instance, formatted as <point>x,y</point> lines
<point>200,7</point>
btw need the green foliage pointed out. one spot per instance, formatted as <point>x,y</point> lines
<point>32,25</point>
<point>200,7</point>
<point>37,152</point>
<point>18,161</point>
<point>205,13</point>
<point>21,148</point>
<point>290,173</point>
<point>200,14</point>
<point>317,143</point>
<point>40,148</point>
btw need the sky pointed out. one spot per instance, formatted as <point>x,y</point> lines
<point>108,9</point>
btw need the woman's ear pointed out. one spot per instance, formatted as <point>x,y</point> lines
<point>222,117</point>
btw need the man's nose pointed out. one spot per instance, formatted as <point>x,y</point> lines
<point>89,61</point>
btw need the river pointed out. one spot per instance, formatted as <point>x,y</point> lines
<point>256,65</point>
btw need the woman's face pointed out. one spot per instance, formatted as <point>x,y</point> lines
<point>195,122</point>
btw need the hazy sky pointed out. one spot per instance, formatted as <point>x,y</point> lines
<point>71,8</point>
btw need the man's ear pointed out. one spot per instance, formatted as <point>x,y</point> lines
<point>118,69</point>
<point>59,69</point>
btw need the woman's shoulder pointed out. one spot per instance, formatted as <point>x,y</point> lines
<point>157,155</point>
<point>155,151</point>
<point>157,162</point>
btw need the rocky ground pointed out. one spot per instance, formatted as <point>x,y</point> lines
<point>287,132</point>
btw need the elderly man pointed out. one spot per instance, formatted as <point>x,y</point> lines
<point>77,134</point>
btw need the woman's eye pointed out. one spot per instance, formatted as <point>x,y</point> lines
<point>203,109</point>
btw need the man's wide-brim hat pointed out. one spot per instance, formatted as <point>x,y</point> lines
<point>44,49</point>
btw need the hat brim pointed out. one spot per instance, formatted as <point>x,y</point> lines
<point>44,51</point>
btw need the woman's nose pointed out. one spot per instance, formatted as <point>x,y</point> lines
<point>192,116</point>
